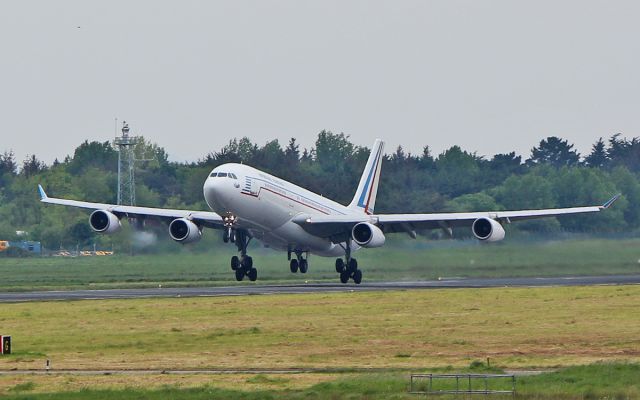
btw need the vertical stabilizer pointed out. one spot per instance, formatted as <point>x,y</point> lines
<point>365,198</point>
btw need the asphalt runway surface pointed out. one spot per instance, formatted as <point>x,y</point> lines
<point>253,289</point>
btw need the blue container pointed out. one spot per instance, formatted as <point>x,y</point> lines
<point>30,246</point>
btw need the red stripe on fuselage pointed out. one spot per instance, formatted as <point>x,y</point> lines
<point>286,197</point>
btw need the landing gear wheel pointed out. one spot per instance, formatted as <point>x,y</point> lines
<point>247,262</point>
<point>239,274</point>
<point>252,274</point>
<point>293,265</point>
<point>304,266</point>
<point>357,277</point>
<point>225,237</point>
<point>235,262</point>
<point>339,265</point>
<point>344,276</point>
<point>353,265</point>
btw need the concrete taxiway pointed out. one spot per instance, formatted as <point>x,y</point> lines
<point>244,289</point>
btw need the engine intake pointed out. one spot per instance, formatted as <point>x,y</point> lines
<point>367,235</point>
<point>184,231</point>
<point>103,221</point>
<point>487,229</point>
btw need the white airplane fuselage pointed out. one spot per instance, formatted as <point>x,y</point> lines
<point>265,205</point>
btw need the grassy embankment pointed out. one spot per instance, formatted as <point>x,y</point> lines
<point>401,260</point>
<point>397,331</point>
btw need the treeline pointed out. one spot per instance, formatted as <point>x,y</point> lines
<point>554,175</point>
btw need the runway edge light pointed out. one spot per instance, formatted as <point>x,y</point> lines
<point>6,344</point>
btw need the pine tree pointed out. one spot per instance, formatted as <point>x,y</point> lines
<point>598,157</point>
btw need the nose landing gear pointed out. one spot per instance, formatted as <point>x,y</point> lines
<point>229,234</point>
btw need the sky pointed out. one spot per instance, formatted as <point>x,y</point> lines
<point>490,76</point>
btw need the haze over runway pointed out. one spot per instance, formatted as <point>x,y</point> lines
<point>490,76</point>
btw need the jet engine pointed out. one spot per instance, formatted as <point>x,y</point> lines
<point>184,231</point>
<point>103,221</point>
<point>487,229</point>
<point>367,235</point>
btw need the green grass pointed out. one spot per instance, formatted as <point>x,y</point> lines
<point>400,260</point>
<point>339,333</point>
<point>599,381</point>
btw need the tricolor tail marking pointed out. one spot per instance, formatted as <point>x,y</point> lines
<point>365,197</point>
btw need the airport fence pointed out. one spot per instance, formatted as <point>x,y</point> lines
<point>463,384</point>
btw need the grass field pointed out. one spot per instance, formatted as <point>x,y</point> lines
<point>401,260</point>
<point>540,327</point>
<point>398,331</point>
<point>594,330</point>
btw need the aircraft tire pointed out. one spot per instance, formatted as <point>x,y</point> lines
<point>239,274</point>
<point>353,266</point>
<point>247,262</point>
<point>344,277</point>
<point>357,277</point>
<point>235,262</point>
<point>252,274</point>
<point>304,266</point>
<point>339,265</point>
<point>293,266</point>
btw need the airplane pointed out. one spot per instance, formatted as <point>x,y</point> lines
<point>248,204</point>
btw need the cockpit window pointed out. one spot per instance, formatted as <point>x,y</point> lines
<point>230,175</point>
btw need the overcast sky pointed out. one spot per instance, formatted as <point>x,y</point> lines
<point>491,76</point>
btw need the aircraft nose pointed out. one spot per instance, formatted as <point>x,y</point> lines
<point>217,192</point>
<point>212,191</point>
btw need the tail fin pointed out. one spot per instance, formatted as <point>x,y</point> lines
<point>365,197</point>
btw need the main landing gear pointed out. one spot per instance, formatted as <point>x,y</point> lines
<point>348,268</point>
<point>299,263</point>
<point>243,265</point>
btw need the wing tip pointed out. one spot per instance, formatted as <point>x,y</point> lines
<point>610,202</point>
<point>43,194</point>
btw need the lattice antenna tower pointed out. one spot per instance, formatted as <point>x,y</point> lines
<point>127,166</point>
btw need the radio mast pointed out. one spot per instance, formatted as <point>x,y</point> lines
<point>126,166</point>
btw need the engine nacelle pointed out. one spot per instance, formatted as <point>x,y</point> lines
<point>367,235</point>
<point>487,229</point>
<point>184,231</point>
<point>103,221</point>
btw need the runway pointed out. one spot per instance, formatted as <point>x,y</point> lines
<point>252,289</point>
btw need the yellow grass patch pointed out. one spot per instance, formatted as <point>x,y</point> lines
<point>73,383</point>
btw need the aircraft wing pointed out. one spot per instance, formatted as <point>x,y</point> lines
<point>205,218</point>
<point>338,225</point>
